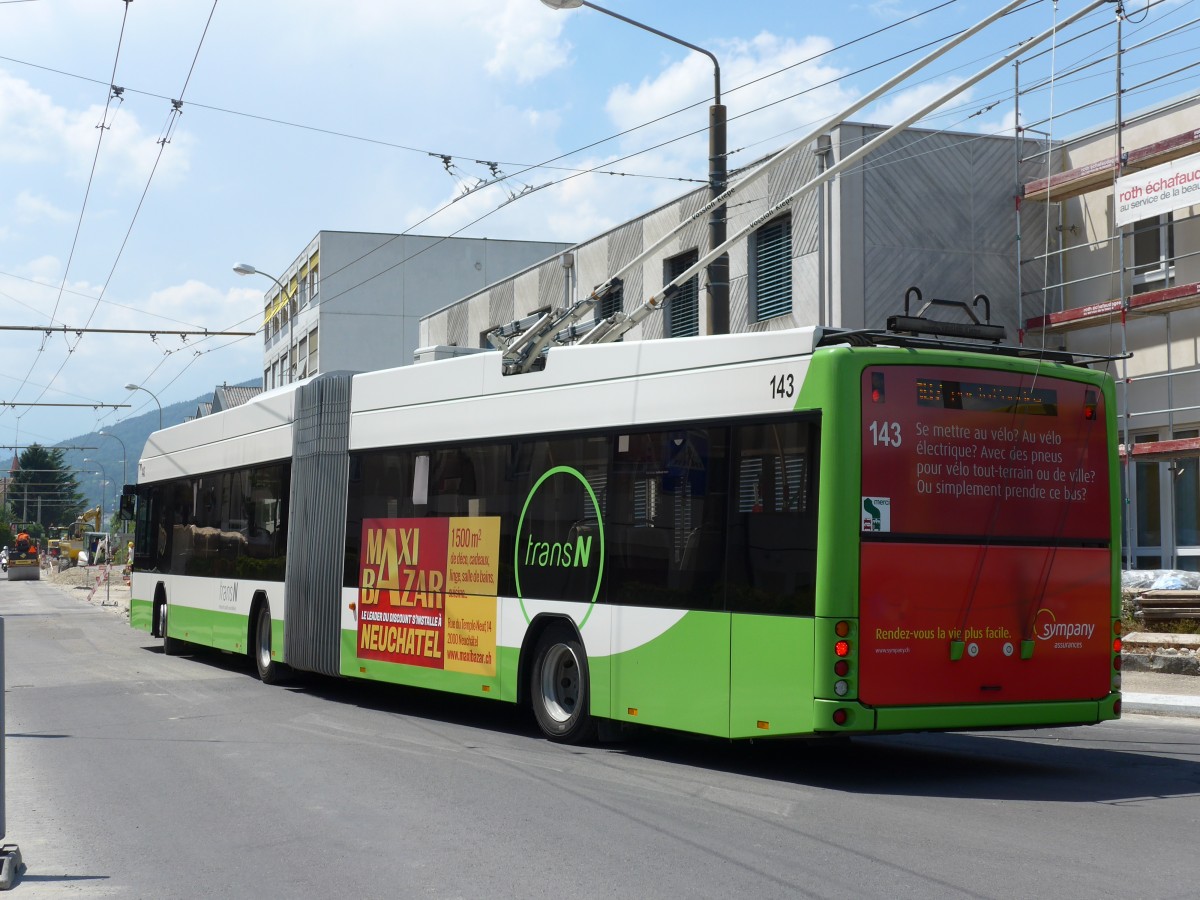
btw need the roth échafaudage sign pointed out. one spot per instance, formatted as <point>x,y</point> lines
<point>1158,191</point>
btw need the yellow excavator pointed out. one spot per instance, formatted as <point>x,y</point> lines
<point>74,538</point>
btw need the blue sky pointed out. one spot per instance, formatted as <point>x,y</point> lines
<point>303,116</point>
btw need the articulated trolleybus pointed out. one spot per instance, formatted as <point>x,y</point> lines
<point>805,532</point>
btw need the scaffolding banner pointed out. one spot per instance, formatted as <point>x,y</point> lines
<point>1158,191</point>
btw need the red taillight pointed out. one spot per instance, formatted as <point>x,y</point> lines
<point>878,390</point>
<point>1116,707</point>
<point>1117,663</point>
<point>840,716</point>
<point>842,648</point>
<point>841,629</point>
<point>841,668</point>
<point>1089,405</point>
<point>1117,646</point>
<point>1117,627</point>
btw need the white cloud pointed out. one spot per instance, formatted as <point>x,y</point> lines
<point>26,114</point>
<point>528,41</point>
<point>904,103</point>
<point>577,208</point>
<point>36,131</point>
<point>775,71</point>
<point>30,208</point>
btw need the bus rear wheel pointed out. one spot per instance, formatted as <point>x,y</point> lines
<point>269,671</point>
<point>560,688</point>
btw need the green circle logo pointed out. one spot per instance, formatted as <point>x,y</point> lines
<point>559,555</point>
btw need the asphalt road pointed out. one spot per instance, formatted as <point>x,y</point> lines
<point>132,774</point>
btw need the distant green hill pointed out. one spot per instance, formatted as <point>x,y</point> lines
<point>120,464</point>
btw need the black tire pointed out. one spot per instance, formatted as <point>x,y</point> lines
<point>269,671</point>
<point>171,646</point>
<point>560,688</point>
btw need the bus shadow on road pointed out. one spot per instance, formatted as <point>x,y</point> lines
<point>1098,764</point>
<point>400,700</point>
<point>1062,765</point>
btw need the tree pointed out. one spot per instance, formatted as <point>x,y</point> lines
<point>44,490</point>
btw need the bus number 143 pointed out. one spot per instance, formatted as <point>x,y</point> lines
<point>885,433</point>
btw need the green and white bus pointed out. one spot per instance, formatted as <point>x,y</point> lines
<point>804,532</point>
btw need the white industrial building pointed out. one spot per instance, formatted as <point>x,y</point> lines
<point>931,209</point>
<point>352,301</point>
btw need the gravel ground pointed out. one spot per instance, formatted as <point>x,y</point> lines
<point>87,584</point>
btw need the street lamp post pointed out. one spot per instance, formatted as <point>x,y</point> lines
<point>138,387</point>
<point>124,471</point>
<point>104,476</point>
<point>247,269</point>
<point>718,269</point>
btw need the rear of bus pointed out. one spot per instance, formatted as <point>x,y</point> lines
<point>987,556</point>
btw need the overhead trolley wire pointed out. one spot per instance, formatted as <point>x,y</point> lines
<point>102,127</point>
<point>172,118</point>
<point>548,164</point>
<point>654,146</point>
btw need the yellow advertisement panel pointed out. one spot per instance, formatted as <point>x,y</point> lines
<point>427,592</point>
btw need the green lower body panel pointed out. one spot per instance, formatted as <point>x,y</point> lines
<point>141,615</point>
<point>471,683</point>
<point>771,675</point>
<point>961,718</point>
<point>678,680</point>
<point>222,630</point>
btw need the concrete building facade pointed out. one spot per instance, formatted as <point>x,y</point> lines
<point>352,300</point>
<point>930,209</point>
<point>1134,289</point>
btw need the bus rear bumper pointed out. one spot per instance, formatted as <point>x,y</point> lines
<point>860,718</point>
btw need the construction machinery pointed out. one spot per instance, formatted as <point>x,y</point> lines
<point>74,538</point>
<point>24,560</point>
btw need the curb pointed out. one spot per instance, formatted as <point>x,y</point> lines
<point>1160,705</point>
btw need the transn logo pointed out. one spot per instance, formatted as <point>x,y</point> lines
<point>391,571</point>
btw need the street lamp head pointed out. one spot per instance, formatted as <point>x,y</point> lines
<point>133,387</point>
<point>563,4</point>
<point>246,268</point>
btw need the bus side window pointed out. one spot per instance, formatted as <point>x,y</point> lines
<point>452,486</point>
<point>773,523</point>
<point>149,512</point>
<point>666,519</point>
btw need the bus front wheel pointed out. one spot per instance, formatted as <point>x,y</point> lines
<point>171,646</point>
<point>559,688</point>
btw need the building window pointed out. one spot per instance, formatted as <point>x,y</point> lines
<point>312,282</point>
<point>612,304</point>
<point>313,363</point>
<point>1185,478</point>
<point>683,309</point>
<point>771,269</point>
<point>1149,535</point>
<point>1153,254</point>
